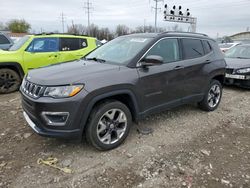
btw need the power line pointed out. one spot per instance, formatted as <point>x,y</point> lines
<point>156,11</point>
<point>88,7</point>
<point>63,21</point>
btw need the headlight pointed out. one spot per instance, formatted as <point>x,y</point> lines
<point>242,71</point>
<point>62,91</point>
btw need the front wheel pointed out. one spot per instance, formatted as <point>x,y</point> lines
<point>9,81</point>
<point>212,98</point>
<point>108,125</point>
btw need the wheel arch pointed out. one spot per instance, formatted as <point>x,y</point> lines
<point>13,66</point>
<point>127,97</point>
<point>219,77</point>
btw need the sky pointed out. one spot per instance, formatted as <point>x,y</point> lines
<point>215,18</point>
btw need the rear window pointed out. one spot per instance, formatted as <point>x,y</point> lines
<point>4,40</point>
<point>192,48</point>
<point>207,47</point>
<point>71,44</point>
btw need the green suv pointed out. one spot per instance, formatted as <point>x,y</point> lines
<point>34,51</point>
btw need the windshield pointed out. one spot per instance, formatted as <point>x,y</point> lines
<point>19,43</point>
<point>120,50</point>
<point>239,52</point>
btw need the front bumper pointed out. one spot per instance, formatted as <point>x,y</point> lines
<point>238,80</point>
<point>33,114</point>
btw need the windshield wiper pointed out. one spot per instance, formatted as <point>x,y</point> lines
<point>96,59</point>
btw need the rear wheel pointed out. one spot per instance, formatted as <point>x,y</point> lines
<point>213,96</point>
<point>9,81</point>
<point>108,125</point>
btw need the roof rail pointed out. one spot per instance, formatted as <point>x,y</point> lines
<point>202,34</point>
<point>52,33</point>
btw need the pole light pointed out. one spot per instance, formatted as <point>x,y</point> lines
<point>177,15</point>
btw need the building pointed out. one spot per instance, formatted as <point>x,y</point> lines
<point>243,36</point>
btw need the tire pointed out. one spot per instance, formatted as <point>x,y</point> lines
<point>212,98</point>
<point>108,125</point>
<point>10,81</point>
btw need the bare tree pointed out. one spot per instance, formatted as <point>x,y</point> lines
<point>122,30</point>
<point>78,29</point>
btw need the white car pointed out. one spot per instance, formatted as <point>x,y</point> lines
<point>226,46</point>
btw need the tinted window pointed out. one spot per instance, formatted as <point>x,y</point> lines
<point>70,44</point>
<point>168,49</point>
<point>192,48</point>
<point>43,45</point>
<point>207,47</point>
<point>4,40</point>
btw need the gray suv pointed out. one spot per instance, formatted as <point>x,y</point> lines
<point>120,82</point>
<point>5,42</point>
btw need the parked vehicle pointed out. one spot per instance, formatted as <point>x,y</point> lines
<point>34,51</point>
<point>238,66</point>
<point>5,41</point>
<point>226,46</point>
<point>123,81</point>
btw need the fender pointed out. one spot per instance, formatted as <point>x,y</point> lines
<point>94,100</point>
<point>16,65</point>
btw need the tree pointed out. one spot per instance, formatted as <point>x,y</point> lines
<point>18,26</point>
<point>122,30</point>
<point>78,29</point>
<point>227,39</point>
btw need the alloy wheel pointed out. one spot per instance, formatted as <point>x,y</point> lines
<point>112,126</point>
<point>214,96</point>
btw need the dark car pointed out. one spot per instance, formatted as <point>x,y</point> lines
<point>123,81</point>
<point>5,41</point>
<point>238,66</point>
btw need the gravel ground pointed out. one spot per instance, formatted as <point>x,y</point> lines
<point>188,148</point>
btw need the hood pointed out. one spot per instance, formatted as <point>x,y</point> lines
<point>236,63</point>
<point>69,73</point>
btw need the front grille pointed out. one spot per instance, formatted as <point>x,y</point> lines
<point>31,89</point>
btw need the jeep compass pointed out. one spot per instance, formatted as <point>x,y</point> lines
<point>120,82</point>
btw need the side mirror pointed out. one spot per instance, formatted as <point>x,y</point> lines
<point>152,60</point>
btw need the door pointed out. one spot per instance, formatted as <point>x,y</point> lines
<point>41,52</point>
<point>194,62</point>
<point>161,86</point>
<point>72,48</point>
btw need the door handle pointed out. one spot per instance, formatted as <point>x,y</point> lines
<point>207,61</point>
<point>179,67</point>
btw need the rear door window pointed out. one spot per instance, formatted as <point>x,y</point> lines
<point>192,48</point>
<point>4,40</point>
<point>71,44</point>
<point>207,47</point>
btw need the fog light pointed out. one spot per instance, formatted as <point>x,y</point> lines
<point>55,118</point>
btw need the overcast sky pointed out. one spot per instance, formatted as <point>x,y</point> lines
<point>225,17</point>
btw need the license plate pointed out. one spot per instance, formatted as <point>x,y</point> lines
<point>240,77</point>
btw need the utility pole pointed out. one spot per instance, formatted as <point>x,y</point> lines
<point>88,7</point>
<point>156,12</point>
<point>63,21</point>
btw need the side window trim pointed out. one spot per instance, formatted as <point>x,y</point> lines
<point>152,46</point>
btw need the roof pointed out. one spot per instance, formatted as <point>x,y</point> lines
<point>171,33</point>
<point>61,35</point>
<point>242,33</point>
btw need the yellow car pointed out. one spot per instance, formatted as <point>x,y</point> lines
<point>34,51</point>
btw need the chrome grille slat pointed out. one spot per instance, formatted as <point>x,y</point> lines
<point>31,89</point>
